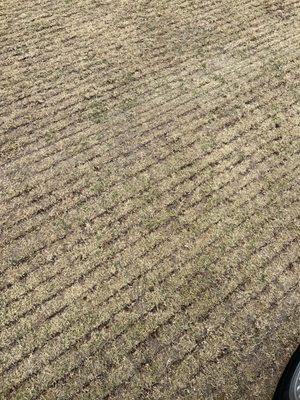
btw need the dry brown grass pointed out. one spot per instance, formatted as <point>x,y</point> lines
<point>149,201</point>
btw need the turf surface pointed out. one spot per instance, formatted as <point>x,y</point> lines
<point>149,198</point>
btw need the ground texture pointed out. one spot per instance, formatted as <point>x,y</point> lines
<point>149,205</point>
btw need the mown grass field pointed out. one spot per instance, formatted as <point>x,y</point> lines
<point>149,198</point>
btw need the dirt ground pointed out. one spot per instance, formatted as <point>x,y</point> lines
<point>149,206</point>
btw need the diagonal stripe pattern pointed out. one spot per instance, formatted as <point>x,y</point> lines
<point>149,198</point>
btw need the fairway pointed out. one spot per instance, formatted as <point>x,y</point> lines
<point>149,198</point>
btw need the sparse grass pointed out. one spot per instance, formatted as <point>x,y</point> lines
<point>99,187</point>
<point>63,224</point>
<point>98,116</point>
<point>99,135</point>
<point>128,104</point>
<point>149,209</point>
